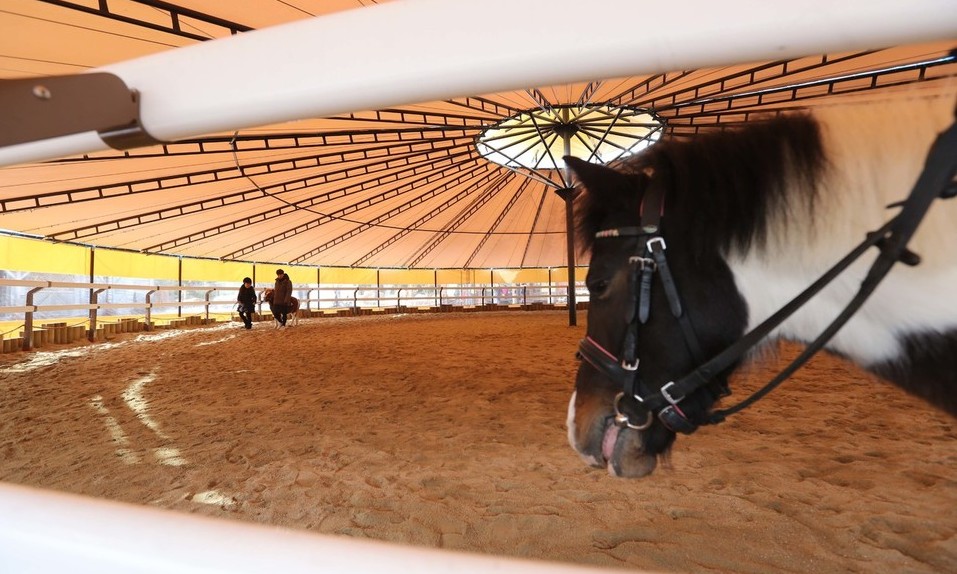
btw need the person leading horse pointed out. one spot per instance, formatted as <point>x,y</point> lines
<point>282,297</point>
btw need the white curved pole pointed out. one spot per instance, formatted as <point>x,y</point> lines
<point>423,50</point>
<point>46,531</point>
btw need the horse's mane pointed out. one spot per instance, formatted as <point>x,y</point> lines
<point>723,187</point>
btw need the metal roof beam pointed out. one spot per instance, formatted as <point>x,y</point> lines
<point>468,212</point>
<point>421,221</point>
<point>846,84</point>
<point>697,95</point>
<point>646,86</point>
<point>392,162</point>
<point>485,105</point>
<point>341,213</point>
<point>277,142</point>
<point>736,80</point>
<point>535,220</point>
<point>174,12</point>
<point>308,204</point>
<point>498,221</point>
<point>400,116</point>
<point>484,197</point>
<point>230,172</point>
<point>467,178</point>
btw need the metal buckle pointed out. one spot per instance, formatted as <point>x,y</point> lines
<point>644,262</point>
<point>630,367</point>
<point>672,417</point>
<point>658,239</point>
<point>667,396</point>
<point>622,420</point>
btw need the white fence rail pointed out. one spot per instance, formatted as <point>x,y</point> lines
<point>353,298</point>
<point>47,531</point>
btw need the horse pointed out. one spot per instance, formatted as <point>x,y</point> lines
<point>693,242</point>
<point>292,313</point>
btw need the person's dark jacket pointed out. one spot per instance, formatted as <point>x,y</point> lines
<point>282,294</point>
<point>247,296</point>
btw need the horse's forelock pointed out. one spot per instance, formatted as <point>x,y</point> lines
<point>601,198</point>
<point>722,188</point>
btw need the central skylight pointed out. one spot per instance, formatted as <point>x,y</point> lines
<point>538,139</point>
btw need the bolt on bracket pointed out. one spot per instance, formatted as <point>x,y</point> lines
<point>35,109</point>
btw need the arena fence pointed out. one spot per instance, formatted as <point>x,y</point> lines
<point>136,307</point>
<point>46,531</point>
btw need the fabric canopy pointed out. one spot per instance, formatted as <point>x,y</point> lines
<point>404,187</point>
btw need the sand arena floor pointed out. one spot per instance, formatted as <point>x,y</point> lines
<point>448,431</point>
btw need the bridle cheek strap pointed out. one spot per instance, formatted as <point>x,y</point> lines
<point>656,245</point>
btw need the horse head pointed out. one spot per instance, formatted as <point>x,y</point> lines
<point>652,318</point>
<point>267,295</point>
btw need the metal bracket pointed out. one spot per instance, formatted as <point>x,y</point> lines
<point>36,109</point>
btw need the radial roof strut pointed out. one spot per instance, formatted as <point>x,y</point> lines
<point>308,204</point>
<point>176,15</point>
<point>344,213</point>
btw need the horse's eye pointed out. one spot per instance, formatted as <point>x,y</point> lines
<point>597,286</point>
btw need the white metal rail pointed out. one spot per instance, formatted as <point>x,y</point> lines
<point>354,298</point>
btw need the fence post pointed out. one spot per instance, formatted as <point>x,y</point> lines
<point>355,301</point>
<point>398,300</point>
<point>28,320</point>
<point>550,286</point>
<point>94,305</point>
<point>207,304</point>
<point>149,310</point>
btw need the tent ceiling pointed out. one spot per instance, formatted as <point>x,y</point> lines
<point>401,187</point>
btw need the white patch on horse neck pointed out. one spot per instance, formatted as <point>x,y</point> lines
<point>876,152</point>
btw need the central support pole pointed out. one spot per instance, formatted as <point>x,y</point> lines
<point>568,195</point>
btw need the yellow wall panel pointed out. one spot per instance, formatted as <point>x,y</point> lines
<point>216,271</point>
<point>300,274</point>
<point>24,254</point>
<point>521,275</point>
<point>126,264</point>
<point>35,255</point>
<point>560,274</point>
<point>463,277</point>
<point>347,276</point>
<point>406,277</point>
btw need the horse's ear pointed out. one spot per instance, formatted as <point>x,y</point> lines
<point>598,179</point>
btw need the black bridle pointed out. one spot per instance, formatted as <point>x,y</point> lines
<point>936,181</point>
<point>624,371</point>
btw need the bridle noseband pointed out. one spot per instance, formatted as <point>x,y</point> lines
<point>936,181</point>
